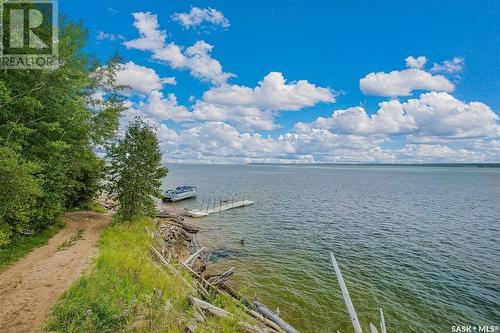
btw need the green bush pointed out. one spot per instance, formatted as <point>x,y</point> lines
<point>19,194</point>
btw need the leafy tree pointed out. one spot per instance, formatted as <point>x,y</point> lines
<point>135,171</point>
<point>51,122</point>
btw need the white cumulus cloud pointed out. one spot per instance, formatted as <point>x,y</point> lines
<point>164,108</point>
<point>197,58</point>
<point>223,125</point>
<point>244,117</point>
<point>403,83</point>
<point>247,108</point>
<point>453,66</point>
<point>219,142</point>
<point>272,93</point>
<point>418,62</point>
<point>255,108</point>
<point>197,16</point>
<point>390,119</point>
<point>150,37</point>
<point>140,79</point>
<point>441,115</point>
<point>101,35</point>
<point>431,153</point>
<point>430,118</point>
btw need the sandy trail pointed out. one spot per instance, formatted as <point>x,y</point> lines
<point>30,287</point>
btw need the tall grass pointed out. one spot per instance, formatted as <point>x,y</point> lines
<point>127,291</point>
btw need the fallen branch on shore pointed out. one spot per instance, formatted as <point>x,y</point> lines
<point>262,309</point>
<point>237,299</point>
<point>220,279</point>
<point>170,267</point>
<point>166,214</point>
<point>347,298</point>
<point>179,221</point>
<point>216,311</point>
<point>190,260</point>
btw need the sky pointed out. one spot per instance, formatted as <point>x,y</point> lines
<point>306,81</point>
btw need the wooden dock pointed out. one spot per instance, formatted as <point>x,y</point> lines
<point>227,206</point>
<point>218,207</point>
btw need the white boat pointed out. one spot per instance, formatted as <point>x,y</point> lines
<point>180,193</point>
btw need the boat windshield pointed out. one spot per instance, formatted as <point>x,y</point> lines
<point>185,188</point>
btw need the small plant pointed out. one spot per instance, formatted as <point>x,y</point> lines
<point>70,242</point>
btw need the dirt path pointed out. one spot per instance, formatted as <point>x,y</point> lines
<point>30,287</point>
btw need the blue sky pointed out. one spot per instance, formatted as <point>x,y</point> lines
<point>328,109</point>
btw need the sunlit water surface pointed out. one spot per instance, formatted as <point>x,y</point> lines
<point>420,242</point>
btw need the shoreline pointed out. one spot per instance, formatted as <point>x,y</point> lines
<point>195,258</point>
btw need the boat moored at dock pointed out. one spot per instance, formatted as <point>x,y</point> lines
<point>180,193</point>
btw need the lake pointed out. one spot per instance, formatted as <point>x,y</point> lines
<point>423,243</point>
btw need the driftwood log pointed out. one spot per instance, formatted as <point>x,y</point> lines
<point>262,309</point>
<point>220,279</point>
<point>189,261</point>
<point>179,221</point>
<point>198,317</point>
<point>218,312</point>
<point>170,267</point>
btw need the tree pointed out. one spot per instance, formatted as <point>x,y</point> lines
<point>135,171</point>
<point>51,121</point>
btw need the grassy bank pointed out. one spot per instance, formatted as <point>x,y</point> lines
<point>25,244</point>
<point>126,290</point>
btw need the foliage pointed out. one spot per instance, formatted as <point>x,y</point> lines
<point>51,121</point>
<point>20,190</point>
<point>135,171</point>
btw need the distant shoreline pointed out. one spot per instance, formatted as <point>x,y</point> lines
<point>452,165</point>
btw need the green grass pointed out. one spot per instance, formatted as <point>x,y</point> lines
<point>92,206</point>
<point>72,241</point>
<point>127,291</point>
<point>25,244</point>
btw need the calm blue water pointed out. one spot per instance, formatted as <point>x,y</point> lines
<point>423,243</point>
